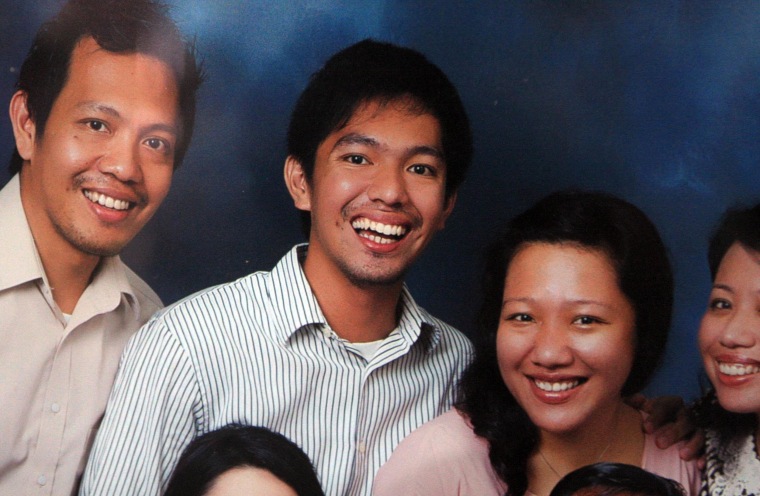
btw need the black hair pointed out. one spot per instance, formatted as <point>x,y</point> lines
<point>610,479</point>
<point>233,446</point>
<point>373,71</point>
<point>738,225</point>
<point>588,219</point>
<point>119,26</point>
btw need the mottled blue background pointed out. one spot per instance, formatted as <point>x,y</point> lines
<point>657,102</point>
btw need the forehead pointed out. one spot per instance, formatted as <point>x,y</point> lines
<point>139,76</point>
<point>394,125</point>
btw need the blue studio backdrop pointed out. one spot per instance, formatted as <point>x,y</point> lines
<point>657,102</point>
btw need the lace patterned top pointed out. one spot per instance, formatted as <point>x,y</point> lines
<point>733,466</point>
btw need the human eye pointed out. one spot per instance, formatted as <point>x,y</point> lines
<point>356,159</point>
<point>156,144</point>
<point>96,125</point>
<point>423,170</point>
<point>519,317</point>
<point>719,304</point>
<point>587,320</point>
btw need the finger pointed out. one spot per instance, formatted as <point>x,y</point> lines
<point>693,449</point>
<point>666,436</point>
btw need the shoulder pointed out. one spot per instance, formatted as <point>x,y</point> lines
<point>449,429</point>
<point>733,465</point>
<point>148,299</point>
<point>668,463</point>
<point>218,302</point>
<point>444,456</point>
<point>202,320</point>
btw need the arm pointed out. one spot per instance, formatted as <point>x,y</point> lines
<point>149,418</point>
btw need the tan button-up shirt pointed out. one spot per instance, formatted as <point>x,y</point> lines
<point>55,377</point>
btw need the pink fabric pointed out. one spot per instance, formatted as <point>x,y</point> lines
<point>445,457</point>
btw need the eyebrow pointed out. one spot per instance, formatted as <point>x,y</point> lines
<point>572,302</point>
<point>107,109</point>
<point>361,139</point>
<point>724,287</point>
<point>98,107</point>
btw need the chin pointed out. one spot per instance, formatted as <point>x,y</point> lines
<point>738,403</point>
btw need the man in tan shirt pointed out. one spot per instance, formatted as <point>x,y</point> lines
<point>102,115</point>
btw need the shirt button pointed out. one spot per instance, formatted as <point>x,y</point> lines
<point>42,480</point>
<point>362,447</point>
<point>55,408</point>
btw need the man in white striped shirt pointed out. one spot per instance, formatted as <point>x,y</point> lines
<point>328,348</point>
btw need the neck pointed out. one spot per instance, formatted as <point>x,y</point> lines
<point>67,278</point>
<point>619,440</point>
<point>355,313</point>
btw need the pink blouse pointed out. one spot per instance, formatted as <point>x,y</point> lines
<point>445,457</point>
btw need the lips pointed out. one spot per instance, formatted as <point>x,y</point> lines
<point>379,232</point>
<point>555,390</point>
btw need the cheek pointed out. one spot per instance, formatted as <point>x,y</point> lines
<point>706,335</point>
<point>430,201</point>
<point>158,181</point>
<point>510,353</point>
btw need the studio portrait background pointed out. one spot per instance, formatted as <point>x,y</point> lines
<point>657,102</point>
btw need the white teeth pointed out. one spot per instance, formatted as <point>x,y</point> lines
<point>554,387</point>
<point>737,369</point>
<point>380,228</point>
<point>376,239</point>
<point>106,201</point>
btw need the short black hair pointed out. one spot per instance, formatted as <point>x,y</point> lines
<point>233,446</point>
<point>374,71</point>
<point>611,479</point>
<point>120,26</point>
<point>590,220</point>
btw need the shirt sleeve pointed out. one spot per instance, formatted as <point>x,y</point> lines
<point>150,417</point>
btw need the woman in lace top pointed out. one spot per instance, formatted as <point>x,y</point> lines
<point>729,340</point>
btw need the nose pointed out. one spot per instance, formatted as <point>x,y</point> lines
<point>741,330</point>
<point>122,160</point>
<point>388,185</point>
<point>551,347</point>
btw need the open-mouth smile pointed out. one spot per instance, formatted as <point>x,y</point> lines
<point>378,232</point>
<point>107,201</point>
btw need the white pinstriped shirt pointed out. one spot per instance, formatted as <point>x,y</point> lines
<point>258,351</point>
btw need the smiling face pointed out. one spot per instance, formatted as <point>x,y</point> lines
<point>729,336</point>
<point>377,195</point>
<point>565,342</point>
<point>105,162</point>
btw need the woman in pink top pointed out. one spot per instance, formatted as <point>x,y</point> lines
<point>578,297</point>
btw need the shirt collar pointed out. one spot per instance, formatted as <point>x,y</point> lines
<point>296,307</point>
<point>20,261</point>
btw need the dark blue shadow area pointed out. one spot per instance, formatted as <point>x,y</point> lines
<point>657,102</point>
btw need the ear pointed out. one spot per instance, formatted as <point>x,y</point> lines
<point>448,207</point>
<point>24,129</point>
<point>297,183</point>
